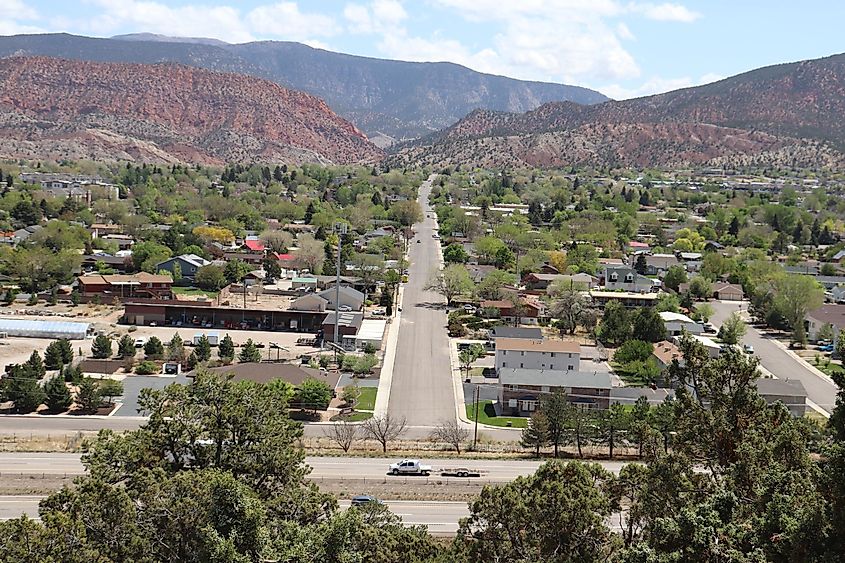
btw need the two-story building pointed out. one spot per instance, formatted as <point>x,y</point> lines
<point>521,390</point>
<point>189,264</point>
<point>626,278</point>
<point>523,353</point>
<point>141,285</point>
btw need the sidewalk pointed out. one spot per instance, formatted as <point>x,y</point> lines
<point>386,377</point>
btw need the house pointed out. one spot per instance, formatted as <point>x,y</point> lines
<point>627,299</point>
<point>828,314</point>
<point>349,297</point>
<point>189,264</point>
<point>533,333</point>
<point>479,271</point>
<point>551,355</point>
<point>635,245</point>
<point>790,392</point>
<point>629,395</point>
<point>309,302</point>
<point>123,241</point>
<point>659,264</point>
<point>711,346</point>
<point>20,235</point>
<point>348,325</point>
<point>625,278</point>
<point>253,244</point>
<point>837,294</point>
<point>541,282</point>
<point>665,353</point>
<point>118,263</point>
<point>520,390</point>
<point>677,323</point>
<point>141,285</point>
<point>728,292</point>
<point>838,256</point>
<point>529,311</point>
<point>690,260</point>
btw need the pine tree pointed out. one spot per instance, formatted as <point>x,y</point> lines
<point>226,350</point>
<point>58,395</point>
<point>101,348</point>
<point>126,347</point>
<point>176,349</point>
<point>34,366</point>
<point>153,349</point>
<point>249,353</point>
<point>536,434</point>
<point>88,396</point>
<point>202,350</point>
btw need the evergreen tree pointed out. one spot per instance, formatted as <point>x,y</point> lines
<point>176,349</point>
<point>34,366</point>
<point>536,434</point>
<point>88,395</point>
<point>249,352</point>
<point>101,348</point>
<point>24,392</point>
<point>202,349</point>
<point>57,395</point>
<point>226,349</point>
<point>126,347</point>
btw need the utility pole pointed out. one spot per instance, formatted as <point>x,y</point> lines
<point>475,434</point>
<point>340,230</point>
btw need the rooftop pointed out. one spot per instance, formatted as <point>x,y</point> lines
<point>669,317</point>
<point>554,378</point>
<point>538,345</point>
<point>833,314</point>
<point>516,332</point>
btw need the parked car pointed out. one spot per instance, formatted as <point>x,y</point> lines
<point>469,308</point>
<point>410,467</point>
<point>710,327</point>
<point>344,308</point>
<point>139,342</point>
<point>363,500</point>
<point>748,348</point>
<point>826,348</point>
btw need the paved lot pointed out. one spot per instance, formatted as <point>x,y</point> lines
<point>778,361</point>
<point>422,389</point>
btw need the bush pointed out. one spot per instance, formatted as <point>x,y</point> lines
<point>325,361</point>
<point>365,364</point>
<point>633,351</point>
<point>348,363</point>
<point>146,367</point>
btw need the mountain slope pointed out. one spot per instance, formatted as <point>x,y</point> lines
<point>386,99</point>
<point>784,113</point>
<point>165,112</point>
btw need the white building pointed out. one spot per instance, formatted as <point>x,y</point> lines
<point>521,353</point>
<point>676,323</point>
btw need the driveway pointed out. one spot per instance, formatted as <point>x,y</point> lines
<point>774,358</point>
<point>422,389</point>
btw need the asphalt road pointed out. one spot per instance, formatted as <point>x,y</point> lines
<point>777,360</point>
<point>440,517</point>
<point>422,391</point>
<point>323,468</point>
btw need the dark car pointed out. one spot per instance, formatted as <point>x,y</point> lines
<point>363,500</point>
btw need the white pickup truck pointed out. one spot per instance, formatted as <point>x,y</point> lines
<point>410,467</point>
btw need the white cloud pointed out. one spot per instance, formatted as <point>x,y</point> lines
<point>282,20</point>
<point>656,85</point>
<point>12,15</point>
<point>285,17</point>
<point>666,12</point>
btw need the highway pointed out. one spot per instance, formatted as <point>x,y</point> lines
<point>422,389</point>
<point>440,517</point>
<point>323,468</point>
<point>774,358</point>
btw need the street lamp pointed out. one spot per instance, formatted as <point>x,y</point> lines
<point>339,229</point>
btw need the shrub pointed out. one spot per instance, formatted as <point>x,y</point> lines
<point>146,367</point>
<point>633,351</point>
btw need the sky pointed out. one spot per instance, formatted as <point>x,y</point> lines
<point>623,48</point>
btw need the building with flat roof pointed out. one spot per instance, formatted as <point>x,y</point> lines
<point>123,286</point>
<point>550,355</point>
<point>627,299</point>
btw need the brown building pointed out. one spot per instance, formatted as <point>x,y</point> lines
<point>204,314</point>
<point>520,390</point>
<point>144,285</point>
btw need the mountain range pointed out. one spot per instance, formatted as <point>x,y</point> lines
<point>61,109</point>
<point>388,100</point>
<point>788,114</point>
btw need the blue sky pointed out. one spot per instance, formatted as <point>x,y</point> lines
<point>624,48</point>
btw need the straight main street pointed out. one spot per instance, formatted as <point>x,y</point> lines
<point>440,517</point>
<point>422,389</point>
<point>777,360</point>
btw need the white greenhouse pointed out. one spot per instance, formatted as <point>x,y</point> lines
<point>43,329</point>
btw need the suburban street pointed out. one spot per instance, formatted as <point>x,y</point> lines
<point>325,468</point>
<point>422,389</point>
<point>440,517</point>
<point>777,360</point>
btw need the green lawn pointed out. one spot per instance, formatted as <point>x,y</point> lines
<point>195,291</point>
<point>367,400</point>
<point>358,416</point>
<point>487,415</point>
<point>831,368</point>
